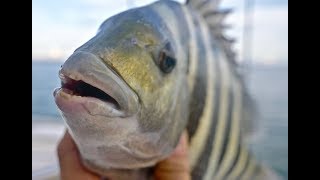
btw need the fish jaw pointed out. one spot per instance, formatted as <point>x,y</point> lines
<point>73,104</point>
<point>89,85</point>
<point>105,129</point>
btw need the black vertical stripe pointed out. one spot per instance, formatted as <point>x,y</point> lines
<point>203,162</point>
<point>201,166</point>
<point>206,3</point>
<point>227,131</point>
<point>183,28</point>
<point>247,169</point>
<point>203,3</point>
<point>246,165</point>
<point>188,60</point>
<point>234,162</point>
<point>199,94</point>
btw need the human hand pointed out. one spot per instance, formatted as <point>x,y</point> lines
<point>176,166</point>
<point>70,163</point>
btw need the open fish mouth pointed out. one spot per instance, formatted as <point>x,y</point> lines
<point>87,84</point>
<point>83,89</point>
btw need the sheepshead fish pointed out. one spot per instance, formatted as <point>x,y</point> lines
<point>149,74</point>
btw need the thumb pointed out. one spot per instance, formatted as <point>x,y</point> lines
<point>70,162</point>
<point>176,166</point>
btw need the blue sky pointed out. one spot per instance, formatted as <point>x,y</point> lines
<point>59,27</point>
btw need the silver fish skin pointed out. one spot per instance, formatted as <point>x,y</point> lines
<point>149,74</point>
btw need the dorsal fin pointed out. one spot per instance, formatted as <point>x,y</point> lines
<point>204,5</point>
<point>214,17</point>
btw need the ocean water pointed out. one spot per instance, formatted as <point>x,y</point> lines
<point>44,80</point>
<point>268,84</point>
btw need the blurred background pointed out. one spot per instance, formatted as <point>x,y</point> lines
<point>59,27</point>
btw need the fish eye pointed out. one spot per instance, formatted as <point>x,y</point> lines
<point>166,62</point>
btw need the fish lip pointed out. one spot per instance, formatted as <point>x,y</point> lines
<point>85,104</point>
<point>104,79</point>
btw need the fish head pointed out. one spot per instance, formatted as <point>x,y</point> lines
<point>124,93</point>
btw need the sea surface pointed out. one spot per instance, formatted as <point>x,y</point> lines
<point>268,84</point>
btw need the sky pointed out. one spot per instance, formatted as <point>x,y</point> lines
<point>59,27</point>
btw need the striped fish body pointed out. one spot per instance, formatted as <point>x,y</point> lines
<point>177,62</point>
<point>221,109</point>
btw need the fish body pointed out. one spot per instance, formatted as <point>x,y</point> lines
<point>149,74</point>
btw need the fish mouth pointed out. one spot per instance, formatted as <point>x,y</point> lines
<point>83,89</point>
<point>88,84</point>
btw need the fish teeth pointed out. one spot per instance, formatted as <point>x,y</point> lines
<point>68,91</point>
<point>74,77</point>
<point>63,78</point>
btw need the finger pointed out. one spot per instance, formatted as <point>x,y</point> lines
<point>176,166</point>
<point>70,163</point>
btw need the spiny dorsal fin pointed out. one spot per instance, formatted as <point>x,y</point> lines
<point>214,17</point>
<point>195,3</point>
<point>227,44</point>
<point>204,6</point>
<point>209,6</point>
